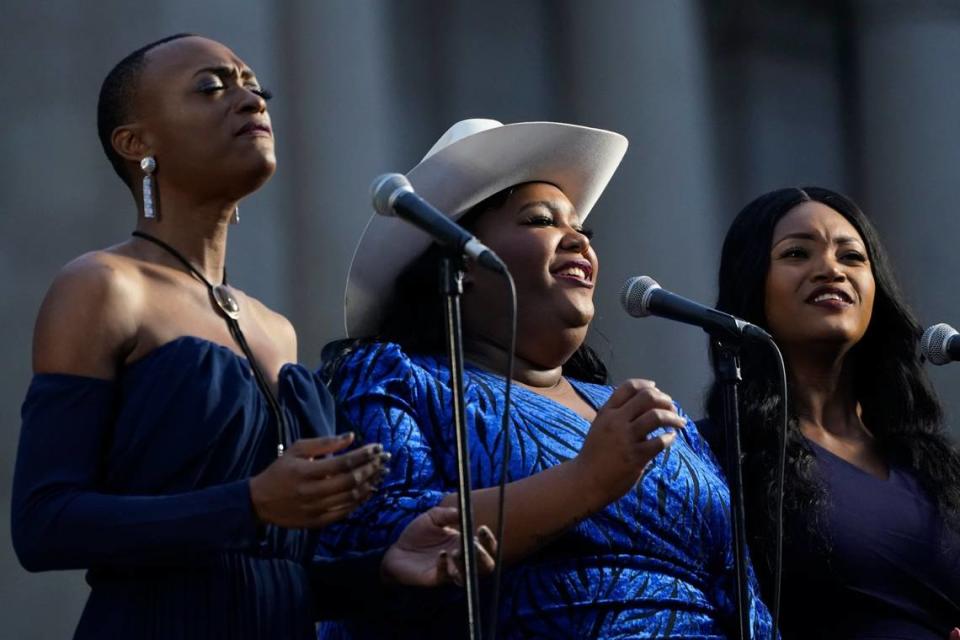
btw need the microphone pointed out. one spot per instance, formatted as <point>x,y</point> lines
<point>393,195</point>
<point>940,344</point>
<point>642,297</point>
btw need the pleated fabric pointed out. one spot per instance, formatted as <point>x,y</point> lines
<point>144,481</point>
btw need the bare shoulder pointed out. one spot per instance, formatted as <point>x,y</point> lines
<point>89,317</point>
<point>277,327</point>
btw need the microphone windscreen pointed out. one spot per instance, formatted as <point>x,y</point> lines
<point>385,189</point>
<point>933,344</point>
<point>635,296</point>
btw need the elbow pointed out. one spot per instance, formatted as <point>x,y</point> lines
<point>31,552</point>
<point>32,543</point>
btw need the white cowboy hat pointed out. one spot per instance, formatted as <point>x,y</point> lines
<point>472,161</point>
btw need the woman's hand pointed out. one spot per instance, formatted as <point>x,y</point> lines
<point>617,448</point>
<point>428,554</point>
<point>955,634</point>
<point>303,490</point>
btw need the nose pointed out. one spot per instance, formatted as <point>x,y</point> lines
<point>829,269</point>
<point>252,102</point>
<point>575,241</point>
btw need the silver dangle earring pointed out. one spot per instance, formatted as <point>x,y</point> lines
<point>148,165</point>
<point>235,218</point>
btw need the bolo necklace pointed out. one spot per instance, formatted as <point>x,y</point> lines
<point>227,304</point>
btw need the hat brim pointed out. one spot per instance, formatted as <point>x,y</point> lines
<point>579,160</point>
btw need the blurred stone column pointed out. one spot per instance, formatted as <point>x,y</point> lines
<point>909,94</point>
<point>331,145</point>
<point>639,68</point>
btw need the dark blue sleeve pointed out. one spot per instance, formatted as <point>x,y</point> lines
<point>62,518</point>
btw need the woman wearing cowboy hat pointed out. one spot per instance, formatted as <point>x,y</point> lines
<point>615,512</point>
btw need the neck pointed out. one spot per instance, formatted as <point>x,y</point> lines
<point>822,388</point>
<point>493,356</point>
<point>198,230</point>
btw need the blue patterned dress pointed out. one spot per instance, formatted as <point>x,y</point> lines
<point>657,563</point>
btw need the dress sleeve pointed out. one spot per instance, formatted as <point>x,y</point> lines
<point>62,516</point>
<point>385,398</point>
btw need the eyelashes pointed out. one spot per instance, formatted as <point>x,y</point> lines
<point>264,94</point>
<point>545,221</point>
<point>800,253</point>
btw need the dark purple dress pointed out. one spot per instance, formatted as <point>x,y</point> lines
<point>891,570</point>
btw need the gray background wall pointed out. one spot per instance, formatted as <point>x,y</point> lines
<point>721,100</point>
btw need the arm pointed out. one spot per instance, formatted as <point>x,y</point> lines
<point>380,396</point>
<point>62,517</point>
<point>614,454</point>
<point>87,324</point>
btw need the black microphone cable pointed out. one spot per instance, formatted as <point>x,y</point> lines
<point>504,462</point>
<point>781,468</point>
<point>781,465</point>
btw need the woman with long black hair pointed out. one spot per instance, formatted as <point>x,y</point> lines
<point>872,497</point>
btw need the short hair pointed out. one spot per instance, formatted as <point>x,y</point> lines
<point>117,94</point>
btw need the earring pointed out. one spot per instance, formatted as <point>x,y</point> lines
<point>148,165</point>
<point>235,218</point>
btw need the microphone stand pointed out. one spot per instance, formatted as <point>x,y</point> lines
<point>727,371</point>
<point>451,287</point>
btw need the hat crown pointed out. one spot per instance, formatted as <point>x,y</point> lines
<point>461,130</point>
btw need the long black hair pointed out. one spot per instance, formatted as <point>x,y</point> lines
<point>897,400</point>
<point>413,317</point>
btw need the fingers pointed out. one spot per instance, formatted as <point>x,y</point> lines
<point>453,564</point>
<point>313,447</point>
<point>447,570</point>
<point>644,400</point>
<point>486,546</point>
<point>654,419</point>
<point>371,472</point>
<point>487,541</point>
<point>654,446</point>
<point>346,463</point>
<point>353,496</point>
<point>444,516</point>
<point>627,390</point>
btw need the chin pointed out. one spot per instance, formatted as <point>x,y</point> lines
<point>257,173</point>
<point>576,318</point>
<point>835,337</point>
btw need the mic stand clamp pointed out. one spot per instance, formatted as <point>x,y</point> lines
<point>451,288</point>
<point>727,370</point>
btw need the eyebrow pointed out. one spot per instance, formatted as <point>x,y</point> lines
<point>803,235</point>
<point>227,71</point>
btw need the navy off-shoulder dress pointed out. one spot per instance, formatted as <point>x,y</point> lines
<point>144,482</point>
<point>658,563</point>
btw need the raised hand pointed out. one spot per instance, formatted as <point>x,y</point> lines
<point>617,448</point>
<point>955,634</point>
<point>428,554</point>
<point>304,490</point>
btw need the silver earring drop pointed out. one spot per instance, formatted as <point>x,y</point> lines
<point>235,218</point>
<point>148,165</point>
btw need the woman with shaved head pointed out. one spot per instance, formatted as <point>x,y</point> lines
<point>170,444</point>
